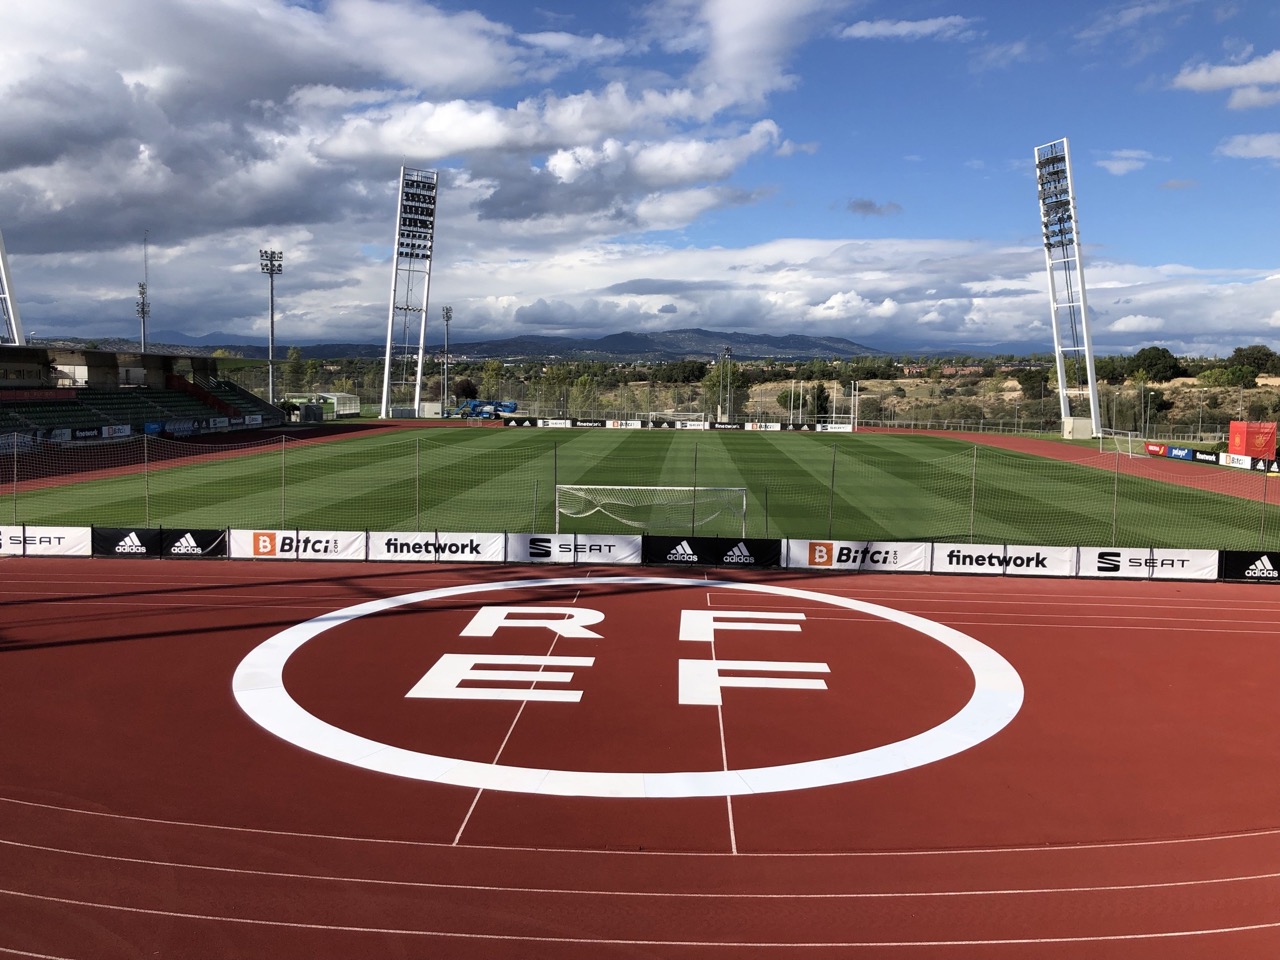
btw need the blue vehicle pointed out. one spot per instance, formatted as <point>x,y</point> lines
<point>481,409</point>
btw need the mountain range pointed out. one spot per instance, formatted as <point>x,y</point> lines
<point>657,346</point>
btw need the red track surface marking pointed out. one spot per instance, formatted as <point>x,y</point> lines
<point>1129,810</point>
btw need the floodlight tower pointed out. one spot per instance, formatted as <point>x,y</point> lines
<point>447,315</point>
<point>411,273</point>
<point>144,305</point>
<point>10,326</point>
<point>1068,305</point>
<point>272,266</point>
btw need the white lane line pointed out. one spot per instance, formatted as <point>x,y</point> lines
<point>652,894</point>
<point>614,941</point>
<point>779,855</point>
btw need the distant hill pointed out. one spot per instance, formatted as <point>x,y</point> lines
<point>657,346</point>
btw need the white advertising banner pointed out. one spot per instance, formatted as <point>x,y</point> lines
<point>47,541</point>
<point>753,425</point>
<point>297,545</point>
<point>555,423</point>
<point>868,555</point>
<point>626,424</point>
<point>573,548</point>
<point>999,558</point>
<point>451,547</point>
<point>691,424</point>
<point>835,427</point>
<point>1235,460</point>
<point>1148,564</point>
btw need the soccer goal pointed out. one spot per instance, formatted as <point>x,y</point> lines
<point>713,511</point>
<point>1124,442</point>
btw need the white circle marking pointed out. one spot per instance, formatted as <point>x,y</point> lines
<point>258,686</point>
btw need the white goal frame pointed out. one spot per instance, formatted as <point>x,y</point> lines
<point>691,502</point>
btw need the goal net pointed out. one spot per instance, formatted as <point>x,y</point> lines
<point>1124,442</point>
<point>712,511</point>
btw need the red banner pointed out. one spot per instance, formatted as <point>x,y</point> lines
<point>1252,439</point>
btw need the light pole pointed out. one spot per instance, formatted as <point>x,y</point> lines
<point>1200,422</point>
<point>272,265</point>
<point>447,314</point>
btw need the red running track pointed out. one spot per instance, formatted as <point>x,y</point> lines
<point>1130,809</point>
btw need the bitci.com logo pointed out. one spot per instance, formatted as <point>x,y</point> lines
<point>265,545</point>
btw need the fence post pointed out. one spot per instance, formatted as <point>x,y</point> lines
<point>1115,502</point>
<point>766,511</point>
<point>831,494</point>
<point>15,479</point>
<point>973,494</point>
<point>146,480</point>
<point>283,508</point>
<point>693,503</point>
<point>1262,511</point>
<point>417,483</point>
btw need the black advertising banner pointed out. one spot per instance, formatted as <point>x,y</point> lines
<point>1250,566</point>
<point>194,543</point>
<point>753,552</point>
<point>125,542</point>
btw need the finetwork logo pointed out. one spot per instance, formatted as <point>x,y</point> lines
<point>186,545</point>
<point>683,552</point>
<point>959,558</point>
<point>131,544</point>
<point>1262,569</point>
<point>739,554</point>
<point>432,548</point>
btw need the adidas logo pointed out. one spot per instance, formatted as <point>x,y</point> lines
<point>186,544</point>
<point>130,544</point>
<point>739,554</point>
<point>1262,569</point>
<point>683,552</point>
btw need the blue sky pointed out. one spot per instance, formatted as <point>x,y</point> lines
<point>856,168</point>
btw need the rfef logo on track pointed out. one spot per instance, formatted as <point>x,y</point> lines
<point>707,658</point>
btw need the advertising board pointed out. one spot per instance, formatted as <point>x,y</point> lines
<point>297,545</point>
<point>573,548</point>
<point>1144,563</point>
<point>46,541</point>
<point>450,547</point>
<point>1009,560</point>
<point>751,552</point>
<point>869,555</point>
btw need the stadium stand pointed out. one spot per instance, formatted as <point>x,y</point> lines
<point>73,394</point>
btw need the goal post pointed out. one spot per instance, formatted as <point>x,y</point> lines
<point>599,508</point>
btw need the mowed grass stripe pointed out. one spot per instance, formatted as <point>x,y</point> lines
<point>888,487</point>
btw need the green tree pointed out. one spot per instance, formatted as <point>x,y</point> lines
<point>294,370</point>
<point>584,397</point>
<point>1160,365</point>
<point>1262,358</point>
<point>725,391</point>
<point>1214,377</point>
<point>1033,381</point>
<point>491,379</point>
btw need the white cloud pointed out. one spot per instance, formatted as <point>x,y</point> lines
<point>1251,146</point>
<point>1246,81</point>
<point>1136,323</point>
<point>935,28</point>
<point>1120,162</point>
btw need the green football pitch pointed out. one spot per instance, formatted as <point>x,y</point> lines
<point>865,486</point>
